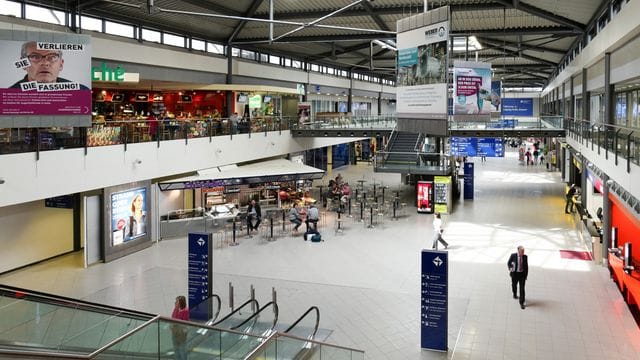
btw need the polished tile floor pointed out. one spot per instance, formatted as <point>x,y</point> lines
<point>366,282</point>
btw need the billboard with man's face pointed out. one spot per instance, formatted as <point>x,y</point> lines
<point>51,77</point>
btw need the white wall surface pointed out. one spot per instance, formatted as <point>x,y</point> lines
<point>319,79</point>
<point>254,69</point>
<point>69,171</point>
<point>32,232</point>
<point>363,85</point>
<point>624,27</point>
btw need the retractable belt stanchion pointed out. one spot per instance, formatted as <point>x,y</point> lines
<point>233,238</point>
<point>370,218</point>
<point>395,207</point>
<point>350,207</point>
<point>271,238</point>
<point>283,222</point>
<point>361,211</point>
<point>384,187</point>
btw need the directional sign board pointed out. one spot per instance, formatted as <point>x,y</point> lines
<point>200,275</point>
<point>434,300</point>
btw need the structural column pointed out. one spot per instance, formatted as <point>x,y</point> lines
<point>606,219</point>
<point>585,96</point>
<point>229,80</point>
<point>608,91</point>
<point>572,100</point>
<point>563,111</point>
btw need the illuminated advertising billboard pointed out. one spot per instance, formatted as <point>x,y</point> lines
<point>45,78</point>
<point>128,215</point>
<point>425,196</point>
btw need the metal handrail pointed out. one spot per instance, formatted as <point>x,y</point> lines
<point>315,329</point>
<point>250,301</point>
<point>69,302</point>
<point>257,314</point>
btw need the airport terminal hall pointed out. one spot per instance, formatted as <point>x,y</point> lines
<point>320,180</point>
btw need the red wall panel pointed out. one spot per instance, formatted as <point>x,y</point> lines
<point>628,226</point>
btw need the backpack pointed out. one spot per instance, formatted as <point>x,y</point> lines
<point>316,237</point>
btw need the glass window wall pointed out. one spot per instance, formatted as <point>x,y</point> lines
<point>151,35</point>
<point>114,28</point>
<point>10,8</point>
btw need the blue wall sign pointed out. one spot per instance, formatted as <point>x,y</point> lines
<point>60,202</point>
<point>468,180</point>
<point>463,146</point>
<point>434,300</point>
<point>517,106</point>
<point>200,275</point>
<point>489,147</point>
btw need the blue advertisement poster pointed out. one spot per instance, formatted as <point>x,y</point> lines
<point>463,146</point>
<point>128,215</point>
<point>468,181</point>
<point>200,267</point>
<point>434,300</point>
<point>340,154</point>
<point>517,106</point>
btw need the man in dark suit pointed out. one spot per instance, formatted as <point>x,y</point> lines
<point>518,270</point>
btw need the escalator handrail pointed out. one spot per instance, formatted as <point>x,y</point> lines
<point>309,310</point>
<point>257,314</point>
<point>250,301</point>
<point>215,316</point>
<point>62,301</point>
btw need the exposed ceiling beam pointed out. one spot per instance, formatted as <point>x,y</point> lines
<point>213,7</point>
<point>379,10</point>
<point>340,51</point>
<point>529,9</point>
<point>249,13</point>
<point>498,42</point>
<point>528,57</point>
<point>372,13</point>
<point>558,31</point>
<point>150,23</point>
<point>521,66</point>
<point>88,4</point>
<point>324,38</point>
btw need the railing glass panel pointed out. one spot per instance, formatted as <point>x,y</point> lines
<point>32,322</point>
<point>282,346</point>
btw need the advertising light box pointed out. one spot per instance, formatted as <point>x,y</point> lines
<point>128,215</point>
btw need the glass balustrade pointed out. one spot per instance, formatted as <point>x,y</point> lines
<point>285,347</point>
<point>607,140</point>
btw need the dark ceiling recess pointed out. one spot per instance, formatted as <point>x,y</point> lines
<point>518,37</point>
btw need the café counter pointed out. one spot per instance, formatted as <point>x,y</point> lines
<point>179,223</point>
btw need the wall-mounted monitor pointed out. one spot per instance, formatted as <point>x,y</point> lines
<point>185,99</point>
<point>243,98</point>
<point>266,99</point>
<point>117,97</point>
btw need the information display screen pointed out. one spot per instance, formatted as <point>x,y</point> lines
<point>425,197</point>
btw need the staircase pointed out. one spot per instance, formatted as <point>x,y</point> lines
<point>402,148</point>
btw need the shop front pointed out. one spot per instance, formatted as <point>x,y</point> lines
<point>218,198</point>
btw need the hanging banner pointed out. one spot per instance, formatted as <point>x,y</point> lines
<point>472,91</point>
<point>422,68</point>
<point>517,107</point>
<point>496,96</point>
<point>46,75</point>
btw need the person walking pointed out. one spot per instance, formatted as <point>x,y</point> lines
<point>518,270</point>
<point>253,213</point>
<point>437,232</point>
<point>568,205</point>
